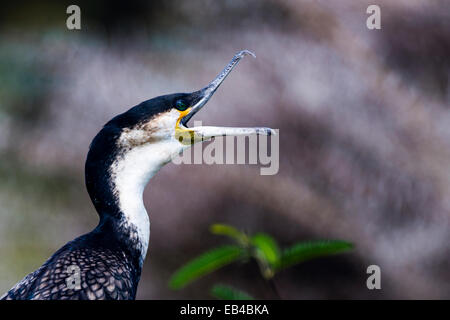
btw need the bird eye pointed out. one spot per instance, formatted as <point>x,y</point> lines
<point>180,105</point>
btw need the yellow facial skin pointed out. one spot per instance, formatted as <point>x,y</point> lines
<point>184,135</point>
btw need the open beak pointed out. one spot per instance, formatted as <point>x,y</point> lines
<point>207,132</point>
<point>206,93</point>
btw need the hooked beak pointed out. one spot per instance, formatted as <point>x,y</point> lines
<point>206,93</point>
<point>195,134</point>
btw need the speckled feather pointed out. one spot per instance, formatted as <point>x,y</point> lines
<point>104,274</point>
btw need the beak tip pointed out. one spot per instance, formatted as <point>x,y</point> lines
<point>267,131</point>
<point>246,53</point>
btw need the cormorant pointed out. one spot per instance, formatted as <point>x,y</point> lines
<point>106,263</point>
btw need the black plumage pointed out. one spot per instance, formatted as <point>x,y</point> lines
<point>105,273</point>
<point>109,257</point>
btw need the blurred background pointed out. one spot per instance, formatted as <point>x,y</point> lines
<point>364,123</point>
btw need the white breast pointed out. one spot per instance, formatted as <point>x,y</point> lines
<point>130,174</point>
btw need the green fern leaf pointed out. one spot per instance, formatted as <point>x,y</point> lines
<point>309,250</point>
<point>229,231</point>
<point>204,264</point>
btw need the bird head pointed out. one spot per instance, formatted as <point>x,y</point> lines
<point>163,121</point>
<point>134,145</point>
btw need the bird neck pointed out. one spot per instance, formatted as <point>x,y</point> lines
<point>115,179</point>
<point>129,174</point>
